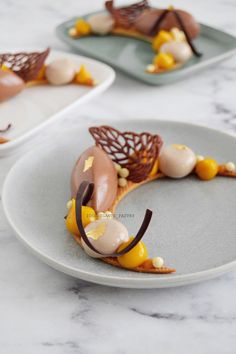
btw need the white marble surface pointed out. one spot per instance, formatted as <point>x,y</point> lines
<point>43,311</point>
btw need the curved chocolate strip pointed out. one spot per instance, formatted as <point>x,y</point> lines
<point>5,129</point>
<point>88,194</point>
<point>79,199</point>
<point>158,22</point>
<point>179,19</point>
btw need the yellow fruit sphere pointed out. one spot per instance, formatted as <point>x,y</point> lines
<point>82,27</point>
<point>164,60</point>
<point>88,215</point>
<point>161,38</point>
<point>135,257</point>
<point>83,76</point>
<point>207,169</point>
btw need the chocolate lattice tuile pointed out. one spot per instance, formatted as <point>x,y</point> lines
<point>136,152</point>
<point>126,16</point>
<point>25,64</point>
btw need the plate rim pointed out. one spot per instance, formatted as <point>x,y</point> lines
<point>162,281</point>
<point>179,74</point>
<point>6,149</point>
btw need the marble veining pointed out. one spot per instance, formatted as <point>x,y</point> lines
<point>44,311</point>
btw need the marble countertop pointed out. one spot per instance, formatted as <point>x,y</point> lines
<point>44,311</point>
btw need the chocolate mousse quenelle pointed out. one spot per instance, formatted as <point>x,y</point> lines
<point>10,85</point>
<point>95,166</point>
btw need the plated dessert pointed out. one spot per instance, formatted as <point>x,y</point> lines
<point>118,163</point>
<point>22,70</point>
<point>170,31</point>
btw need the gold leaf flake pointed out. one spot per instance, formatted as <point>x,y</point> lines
<point>97,231</point>
<point>88,163</point>
<point>180,147</point>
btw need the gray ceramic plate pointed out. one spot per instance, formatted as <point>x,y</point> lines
<point>193,226</point>
<point>132,55</point>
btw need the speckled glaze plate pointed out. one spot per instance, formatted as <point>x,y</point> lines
<point>131,56</point>
<point>193,226</point>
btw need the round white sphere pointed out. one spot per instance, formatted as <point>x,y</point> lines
<point>177,161</point>
<point>101,23</point>
<point>181,51</point>
<point>60,72</point>
<point>115,234</point>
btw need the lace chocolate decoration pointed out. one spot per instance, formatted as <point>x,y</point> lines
<point>136,152</point>
<point>24,64</point>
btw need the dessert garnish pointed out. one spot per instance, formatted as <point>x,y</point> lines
<point>106,172</point>
<point>101,232</point>
<point>4,130</point>
<point>170,31</point>
<point>3,140</point>
<point>21,70</point>
<point>24,64</point>
<point>135,152</point>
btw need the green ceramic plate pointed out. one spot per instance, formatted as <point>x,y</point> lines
<point>133,55</point>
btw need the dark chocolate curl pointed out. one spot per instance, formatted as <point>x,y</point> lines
<point>5,129</point>
<point>156,26</point>
<point>194,50</point>
<point>88,194</point>
<point>86,188</point>
<point>182,26</point>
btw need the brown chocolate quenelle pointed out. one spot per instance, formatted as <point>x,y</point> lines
<point>10,85</point>
<point>96,167</point>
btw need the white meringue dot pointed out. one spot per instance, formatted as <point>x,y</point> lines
<point>158,262</point>
<point>123,172</point>
<point>122,182</point>
<point>117,166</point>
<point>69,204</point>
<point>230,166</point>
<point>199,158</point>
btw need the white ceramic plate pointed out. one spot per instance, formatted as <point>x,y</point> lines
<point>193,226</point>
<point>37,107</point>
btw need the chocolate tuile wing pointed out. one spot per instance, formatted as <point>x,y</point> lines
<point>126,16</point>
<point>136,152</point>
<point>25,64</point>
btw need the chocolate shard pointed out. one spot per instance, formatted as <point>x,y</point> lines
<point>136,152</point>
<point>25,64</point>
<point>126,16</point>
